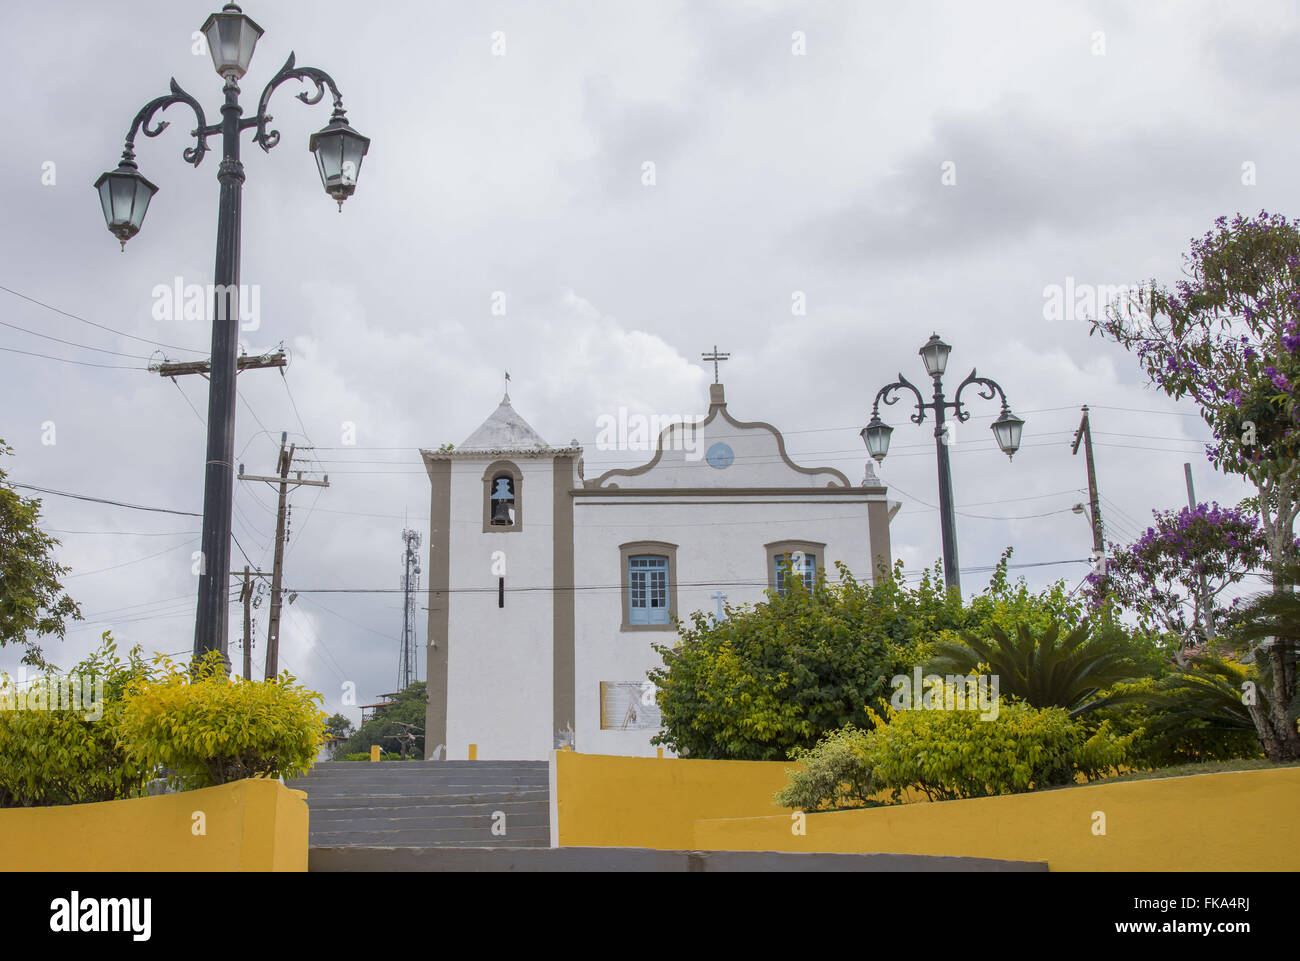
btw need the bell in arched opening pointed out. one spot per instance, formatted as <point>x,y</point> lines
<point>503,502</point>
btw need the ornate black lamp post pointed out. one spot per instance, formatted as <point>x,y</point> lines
<point>125,195</point>
<point>1006,430</point>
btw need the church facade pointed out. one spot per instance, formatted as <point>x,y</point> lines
<point>548,590</point>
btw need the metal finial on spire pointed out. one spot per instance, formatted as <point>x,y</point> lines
<point>715,357</point>
<point>506,398</point>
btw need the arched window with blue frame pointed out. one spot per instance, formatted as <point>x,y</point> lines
<point>649,578</point>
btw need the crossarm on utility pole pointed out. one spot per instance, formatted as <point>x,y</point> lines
<point>204,367</point>
<point>291,481</point>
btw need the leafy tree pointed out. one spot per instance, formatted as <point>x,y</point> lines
<point>406,713</point>
<point>338,729</point>
<point>1044,670</point>
<point>1228,336</point>
<point>782,673</point>
<point>32,601</point>
<point>1171,577</point>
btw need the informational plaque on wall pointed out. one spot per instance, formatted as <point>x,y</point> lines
<point>624,707</point>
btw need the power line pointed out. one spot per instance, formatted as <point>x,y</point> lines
<point>619,587</point>
<point>316,603</point>
<point>111,330</point>
<point>104,500</point>
<point>59,530</point>
<point>202,419</point>
<point>175,547</point>
<point>285,380</point>
<point>73,343</point>
<point>68,360</point>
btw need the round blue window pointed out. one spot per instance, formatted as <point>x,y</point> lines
<point>720,456</point>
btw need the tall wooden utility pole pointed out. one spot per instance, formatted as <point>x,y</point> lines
<point>1084,434</point>
<point>283,482</point>
<point>246,598</point>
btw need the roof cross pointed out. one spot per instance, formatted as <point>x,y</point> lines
<point>715,357</point>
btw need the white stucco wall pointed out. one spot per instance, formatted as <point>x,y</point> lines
<point>500,659</point>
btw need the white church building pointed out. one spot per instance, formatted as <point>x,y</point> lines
<point>548,589</point>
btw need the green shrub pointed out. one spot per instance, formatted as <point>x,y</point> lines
<point>67,756</point>
<point>209,729</point>
<point>955,754</point>
<point>952,754</point>
<point>834,774</point>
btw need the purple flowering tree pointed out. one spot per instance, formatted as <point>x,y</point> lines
<point>1228,337</point>
<point>1172,577</point>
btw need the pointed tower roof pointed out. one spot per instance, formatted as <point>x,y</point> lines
<point>505,430</point>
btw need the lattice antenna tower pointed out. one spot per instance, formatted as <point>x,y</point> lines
<point>407,669</point>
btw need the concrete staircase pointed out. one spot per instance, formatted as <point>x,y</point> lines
<point>427,804</point>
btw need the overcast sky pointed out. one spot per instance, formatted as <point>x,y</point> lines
<point>1088,143</point>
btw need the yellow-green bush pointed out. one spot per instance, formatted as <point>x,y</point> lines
<point>957,754</point>
<point>53,756</point>
<point>208,729</point>
<point>951,754</point>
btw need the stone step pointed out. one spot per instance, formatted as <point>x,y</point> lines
<point>435,822</point>
<point>323,792</point>
<point>412,807</point>
<point>345,802</point>
<point>434,837</point>
<point>380,842</point>
<point>374,772</point>
<point>416,804</point>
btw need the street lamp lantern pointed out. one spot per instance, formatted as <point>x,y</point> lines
<point>231,37</point>
<point>1006,431</point>
<point>876,436</point>
<point>124,194</point>
<point>338,149</point>
<point>935,356</point>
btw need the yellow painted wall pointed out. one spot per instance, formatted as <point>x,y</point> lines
<point>252,825</point>
<point>645,802</point>
<point>1236,821</point>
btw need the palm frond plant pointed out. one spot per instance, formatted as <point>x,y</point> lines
<point>1046,670</point>
<point>1196,714</point>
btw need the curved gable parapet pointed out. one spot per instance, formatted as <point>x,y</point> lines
<point>718,452</point>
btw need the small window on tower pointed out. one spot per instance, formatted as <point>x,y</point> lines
<point>503,501</point>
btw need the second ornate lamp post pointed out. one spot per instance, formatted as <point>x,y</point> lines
<point>1006,431</point>
<point>125,194</point>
